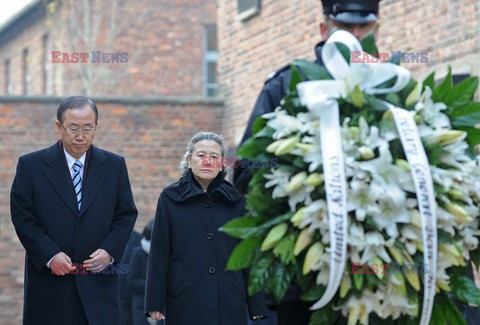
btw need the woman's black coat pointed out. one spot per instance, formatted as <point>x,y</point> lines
<point>186,277</point>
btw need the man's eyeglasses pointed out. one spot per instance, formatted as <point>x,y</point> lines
<point>75,131</point>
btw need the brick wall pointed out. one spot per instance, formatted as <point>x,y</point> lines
<point>284,30</point>
<point>163,39</point>
<point>446,29</point>
<point>151,134</point>
<point>251,50</point>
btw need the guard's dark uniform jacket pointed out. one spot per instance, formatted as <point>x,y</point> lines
<point>273,91</point>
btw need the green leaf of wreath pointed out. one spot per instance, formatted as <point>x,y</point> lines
<point>437,316</point>
<point>429,81</point>
<point>462,93</point>
<point>452,315</point>
<point>259,273</point>
<point>441,92</point>
<point>240,227</point>
<point>281,281</point>
<point>368,43</point>
<point>464,289</point>
<point>325,315</point>
<point>242,255</point>
<point>312,70</point>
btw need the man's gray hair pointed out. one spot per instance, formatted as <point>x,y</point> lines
<point>197,138</point>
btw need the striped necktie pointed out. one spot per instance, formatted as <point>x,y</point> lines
<point>77,182</point>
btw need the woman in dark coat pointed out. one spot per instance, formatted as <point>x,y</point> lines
<point>186,278</point>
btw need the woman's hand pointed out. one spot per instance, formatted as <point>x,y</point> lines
<point>156,315</point>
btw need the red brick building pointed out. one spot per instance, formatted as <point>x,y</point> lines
<point>141,48</point>
<point>151,104</point>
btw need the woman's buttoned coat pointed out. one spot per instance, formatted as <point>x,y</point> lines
<point>187,278</point>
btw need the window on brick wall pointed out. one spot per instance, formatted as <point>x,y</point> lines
<point>210,83</point>
<point>247,8</point>
<point>7,77</point>
<point>47,68</point>
<point>26,77</point>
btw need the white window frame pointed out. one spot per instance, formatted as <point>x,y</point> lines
<point>208,57</point>
<point>250,11</point>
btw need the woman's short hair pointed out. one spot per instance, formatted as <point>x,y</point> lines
<point>204,135</point>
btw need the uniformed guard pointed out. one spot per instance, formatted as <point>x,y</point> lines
<point>351,12</point>
<point>359,17</point>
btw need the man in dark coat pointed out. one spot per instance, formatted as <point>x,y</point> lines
<point>187,280</point>
<point>137,275</point>
<point>73,211</point>
<point>359,17</point>
<point>126,316</point>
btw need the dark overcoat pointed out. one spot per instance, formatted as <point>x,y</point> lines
<point>137,274</point>
<point>186,276</point>
<point>126,315</point>
<point>47,221</point>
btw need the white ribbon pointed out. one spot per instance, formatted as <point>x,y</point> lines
<point>320,98</point>
<point>367,76</point>
<point>422,178</point>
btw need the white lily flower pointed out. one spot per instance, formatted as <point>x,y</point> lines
<point>362,198</point>
<point>410,235</point>
<point>299,196</point>
<point>445,177</point>
<point>309,124</point>
<point>284,124</point>
<point>455,156</point>
<point>313,157</point>
<point>324,268</point>
<point>352,169</point>
<point>278,178</point>
<point>356,235</point>
<point>278,110</point>
<point>363,138</point>
<point>445,221</point>
<point>358,75</point>
<point>369,136</point>
<point>395,304</point>
<point>313,214</point>
<point>371,301</point>
<point>375,246</point>
<point>469,235</point>
<point>431,112</point>
<point>393,210</point>
<point>354,252</point>
<point>388,129</point>
<point>384,171</point>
